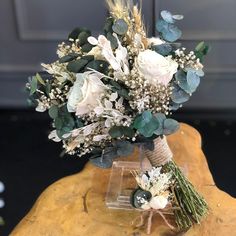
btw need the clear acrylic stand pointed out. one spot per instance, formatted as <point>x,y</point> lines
<point>122,183</point>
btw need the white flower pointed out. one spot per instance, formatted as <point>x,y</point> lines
<point>155,41</point>
<point>99,138</point>
<point>1,187</point>
<point>158,202</point>
<point>53,135</point>
<point>41,107</point>
<point>119,60</point>
<point>156,68</point>
<point>146,206</point>
<point>2,203</point>
<point>86,92</point>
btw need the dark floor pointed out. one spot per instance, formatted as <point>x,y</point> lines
<point>29,162</point>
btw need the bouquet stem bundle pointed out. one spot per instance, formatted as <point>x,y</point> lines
<point>191,206</point>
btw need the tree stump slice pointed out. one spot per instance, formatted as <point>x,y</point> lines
<point>75,205</point>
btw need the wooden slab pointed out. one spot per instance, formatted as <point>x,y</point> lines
<point>74,206</point>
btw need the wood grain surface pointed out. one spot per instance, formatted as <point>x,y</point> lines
<point>75,205</point>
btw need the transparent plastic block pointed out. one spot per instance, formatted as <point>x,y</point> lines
<point>122,183</point>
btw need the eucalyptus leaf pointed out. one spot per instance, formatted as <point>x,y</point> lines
<point>193,80</point>
<point>77,66</point>
<point>48,88</point>
<point>102,162</point>
<point>98,65</point>
<point>170,126</point>
<point>108,25</point>
<point>116,131</point>
<point>53,112</point>
<point>161,118</point>
<point>124,148</point>
<point>171,33</point>
<point>83,36</point>
<point>119,131</point>
<point>87,47</point>
<point>113,40</point>
<point>33,85</point>
<point>68,58</point>
<point>163,49</point>
<point>178,17</point>
<point>161,25</point>
<point>181,78</point>
<point>137,195</point>
<point>149,129</point>
<point>167,16</point>
<point>179,95</point>
<point>120,27</point>
<point>74,34</point>
<point>174,106</point>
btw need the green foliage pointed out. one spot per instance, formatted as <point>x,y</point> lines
<point>146,124</point>
<point>98,65</point>
<point>202,50</point>
<point>169,18</point>
<point>138,194</point>
<point>120,89</point>
<point>108,25</point>
<point>165,26</point>
<point>188,81</point>
<point>33,85</point>
<point>69,57</point>
<point>120,27</point>
<point>83,36</point>
<point>170,126</point>
<point>178,95</point>
<point>63,120</point>
<point>163,49</point>
<point>167,126</point>
<point>77,66</point>
<point>53,112</point>
<point>150,125</point>
<point>105,159</point>
<point>76,32</point>
<point>113,40</point>
<point>120,131</point>
<point>87,47</point>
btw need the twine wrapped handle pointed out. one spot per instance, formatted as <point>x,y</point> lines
<point>161,153</point>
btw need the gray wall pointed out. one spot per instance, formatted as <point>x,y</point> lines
<point>31,29</point>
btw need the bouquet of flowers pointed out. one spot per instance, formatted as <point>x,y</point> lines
<point>108,94</point>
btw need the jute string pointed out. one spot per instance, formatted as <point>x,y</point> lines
<point>161,153</point>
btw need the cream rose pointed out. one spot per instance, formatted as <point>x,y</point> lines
<point>158,202</point>
<point>156,68</point>
<point>85,94</point>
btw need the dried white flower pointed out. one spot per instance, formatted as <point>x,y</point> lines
<point>53,135</point>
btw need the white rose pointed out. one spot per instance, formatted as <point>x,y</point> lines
<point>85,94</point>
<point>158,202</point>
<point>156,68</point>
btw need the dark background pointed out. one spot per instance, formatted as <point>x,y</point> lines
<point>29,33</point>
